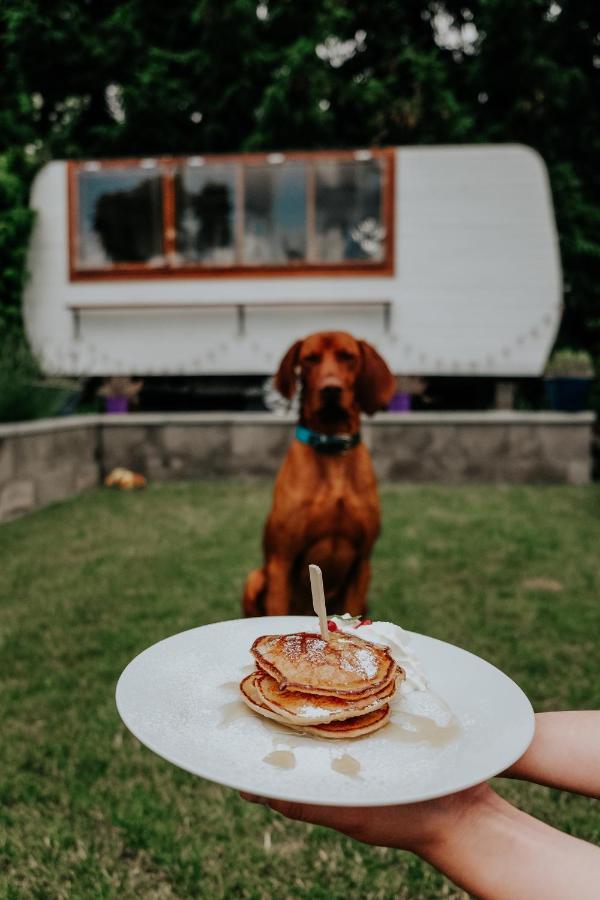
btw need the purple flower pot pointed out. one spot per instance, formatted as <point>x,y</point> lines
<point>116,405</point>
<point>401,402</point>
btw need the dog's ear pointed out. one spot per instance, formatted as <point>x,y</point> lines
<point>375,384</point>
<point>285,378</point>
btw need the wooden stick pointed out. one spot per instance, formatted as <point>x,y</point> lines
<point>318,599</point>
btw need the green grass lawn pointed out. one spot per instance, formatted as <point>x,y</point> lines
<point>510,573</point>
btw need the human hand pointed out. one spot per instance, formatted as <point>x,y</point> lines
<point>419,827</point>
<point>469,837</point>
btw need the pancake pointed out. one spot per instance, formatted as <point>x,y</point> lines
<point>312,709</point>
<point>252,698</point>
<point>351,728</point>
<point>357,726</point>
<point>346,666</point>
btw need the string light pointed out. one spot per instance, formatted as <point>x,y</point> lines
<point>546,322</point>
<point>96,358</point>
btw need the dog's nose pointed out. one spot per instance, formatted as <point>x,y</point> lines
<point>331,393</point>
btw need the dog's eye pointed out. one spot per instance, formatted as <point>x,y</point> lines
<point>345,356</point>
<point>311,359</point>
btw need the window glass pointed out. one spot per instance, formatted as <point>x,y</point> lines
<point>204,214</point>
<point>348,211</point>
<point>120,217</point>
<point>274,214</point>
<point>319,210</point>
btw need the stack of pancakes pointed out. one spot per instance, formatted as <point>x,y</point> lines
<point>338,688</point>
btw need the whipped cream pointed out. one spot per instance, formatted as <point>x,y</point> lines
<point>397,640</point>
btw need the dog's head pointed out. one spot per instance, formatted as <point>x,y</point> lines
<point>338,374</point>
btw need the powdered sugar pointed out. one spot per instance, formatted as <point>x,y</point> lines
<point>362,661</point>
<point>315,650</point>
<point>304,646</point>
<point>292,646</point>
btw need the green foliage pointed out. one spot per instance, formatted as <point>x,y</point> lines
<point>570,363</point>
<point>15,226</point>
<point>23,395</point>
<point>530,75</point>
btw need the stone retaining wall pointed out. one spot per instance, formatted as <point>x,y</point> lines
<point>45,461</point>
<point>49,460</point>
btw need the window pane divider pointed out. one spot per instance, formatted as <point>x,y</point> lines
<point>311,237</point>
<point>239,214</point>
<point>168,203</point>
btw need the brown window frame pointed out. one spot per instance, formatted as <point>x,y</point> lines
<point>166,167</point>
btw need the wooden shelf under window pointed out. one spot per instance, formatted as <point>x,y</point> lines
<point>240,309</point>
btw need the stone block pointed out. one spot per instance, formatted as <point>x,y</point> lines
<point>126,446</point>
<point>483,445</point>
<point>33,452</point>
<point>17,497</point>
<point>56,483</point>
<point>198,450</point>
<point>579,471</point>
<point>444,459</point>
<point>71,442</point>
<point>567,443</point>
<point>259,449</point>
<point>7,459</point>
<point>385,438</point>
<point>158,466</point>
<point>524,443</point>
<point>86,476</point>
<point>394,446</point>
<point>548,454</point>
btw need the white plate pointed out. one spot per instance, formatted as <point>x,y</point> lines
<point>180,698</point>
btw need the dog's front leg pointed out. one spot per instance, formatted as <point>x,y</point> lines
<point>278,594</point>
<point>355,601</point>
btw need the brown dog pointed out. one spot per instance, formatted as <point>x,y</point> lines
<point>325,503</point>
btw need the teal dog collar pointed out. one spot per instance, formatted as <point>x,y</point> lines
<point>327,443</point>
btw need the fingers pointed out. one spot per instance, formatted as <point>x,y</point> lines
<point>345,819</point>
<point>253,798</point>
<point>299,811</point>
<point>302,812</point>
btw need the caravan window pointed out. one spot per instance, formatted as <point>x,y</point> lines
<point>275,214</point>
<point>297,213</point>
<point>119,218</point>
<point>205,214</point>
<point>348,211</point>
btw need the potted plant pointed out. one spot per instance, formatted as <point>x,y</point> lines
<point>568,380</point>
<point>407,387</point>
<point>119,392</point>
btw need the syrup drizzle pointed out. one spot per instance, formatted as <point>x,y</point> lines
<point>346,765</point>
<point>232,712</point>
<point>410,728</point>
<point>281,759</point>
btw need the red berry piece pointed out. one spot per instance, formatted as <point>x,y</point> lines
<point>365,622</point>
<point>331,626</point>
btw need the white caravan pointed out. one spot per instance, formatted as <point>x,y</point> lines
<point>445,258</point>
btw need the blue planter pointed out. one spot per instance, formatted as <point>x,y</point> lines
<point>568,394</point>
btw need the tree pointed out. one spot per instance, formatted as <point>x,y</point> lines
<point>140,76</point>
